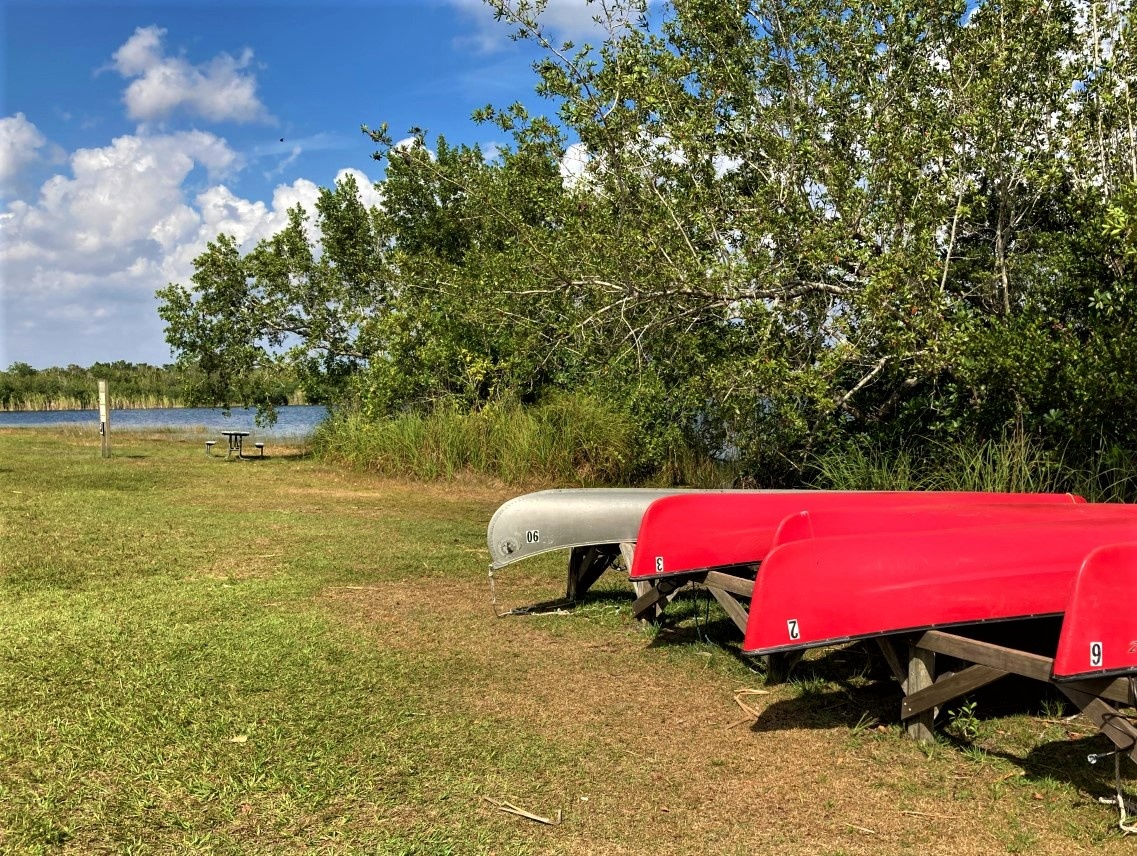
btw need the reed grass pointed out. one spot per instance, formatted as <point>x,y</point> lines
<point>569,439</point>
<point>1010,463</point>
<point>53,401</point>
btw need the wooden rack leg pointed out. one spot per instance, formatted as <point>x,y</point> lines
<point>921,675</point>
<point>899,671</point>
<point>1111,723</point>
<point>733,608</point>
<point>585,566</point>
<point>641,588</point>
<point>649,604</point>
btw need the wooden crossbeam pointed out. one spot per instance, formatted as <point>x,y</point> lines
<point>733,608</point>
<point>648,604</point>
<point>741,586</point>
<point>1022,663</point>
<point>973,651</point>
<point>1111,723</point>
<point>947,688</point>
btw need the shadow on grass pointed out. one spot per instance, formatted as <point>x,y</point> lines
<point>824,699</point>
<point>846,706</point>
<point>282,456</point>
<point>278,456</point>
<point>1067,761</point>
<point>603,597</point>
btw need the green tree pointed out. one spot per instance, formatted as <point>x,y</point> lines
<point>292,302</point>
<point>796,222</point>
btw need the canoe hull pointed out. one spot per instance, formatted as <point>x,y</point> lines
<point>843,522</point>
<point>549,520</point>
<point>822,591</point>
<point>1099,629</point>
<point>687,533</point>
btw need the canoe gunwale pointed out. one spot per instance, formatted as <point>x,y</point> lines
<point>751,569</point>
<point>892,634</point>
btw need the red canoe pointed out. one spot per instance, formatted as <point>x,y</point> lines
<point>820,591</point>
<point>1099,629</point>
<point>692,532</point>
<point>842,522</point>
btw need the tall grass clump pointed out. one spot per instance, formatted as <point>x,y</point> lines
<point>860,465</point>
<point>567,439</point>
<point>1012,462</point>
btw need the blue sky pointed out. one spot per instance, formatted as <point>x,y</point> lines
<point>131,134</point>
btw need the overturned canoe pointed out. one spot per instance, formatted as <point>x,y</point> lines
<point>690,533</point>
<point>821,591</point>
<point>548,520</point>
<point>841,522</point>
<point>1099,628</point>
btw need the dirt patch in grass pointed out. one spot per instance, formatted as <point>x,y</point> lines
<point>650,753</point>
<point>355,485</point>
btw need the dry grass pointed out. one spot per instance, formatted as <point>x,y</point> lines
<point>664,761</point>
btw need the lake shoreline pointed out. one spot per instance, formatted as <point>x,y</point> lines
<point>292,420</point>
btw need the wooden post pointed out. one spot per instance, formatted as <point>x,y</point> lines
<point>921,675</point>
<point>105,418</point>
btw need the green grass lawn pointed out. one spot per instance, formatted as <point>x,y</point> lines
<point>201,655</point>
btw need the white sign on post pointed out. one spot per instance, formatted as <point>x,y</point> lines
<point>104,419</point>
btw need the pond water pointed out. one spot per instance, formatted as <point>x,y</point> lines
<point>294,421</point>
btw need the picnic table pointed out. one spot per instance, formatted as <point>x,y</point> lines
<point>236,440</point>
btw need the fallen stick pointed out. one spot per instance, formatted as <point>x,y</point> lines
<point>510,808</point>
<point>926,814</point>
<point>751,712</point>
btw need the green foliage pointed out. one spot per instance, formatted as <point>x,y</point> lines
<point>131,385</point>
<point>1011,462</point>
<point>795,225</point>
<point>964,722</point>
<point>282,305</point>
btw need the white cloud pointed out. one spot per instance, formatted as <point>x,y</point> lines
<point>219,90</point>
<point>20,142</point>
<point>573,20</point>
<point>369,195</point>
<point>573,164</point>
<point>80,262</point>
<point>115,198</point>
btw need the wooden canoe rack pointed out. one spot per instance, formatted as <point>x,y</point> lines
<point>925,692</point>
<point>731,587</point>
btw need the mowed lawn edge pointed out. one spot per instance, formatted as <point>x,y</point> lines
<point>201,655</point>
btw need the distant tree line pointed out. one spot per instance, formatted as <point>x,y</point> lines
<point>131,385</point>
<point>792,226</point>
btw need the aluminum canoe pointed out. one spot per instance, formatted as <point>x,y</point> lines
<point>558,519</point>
